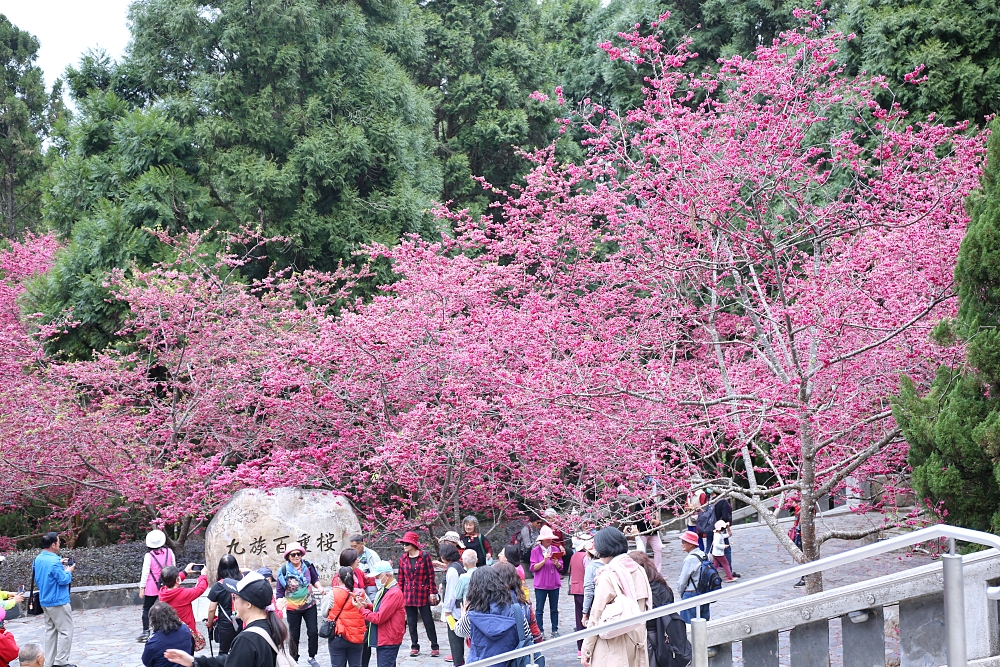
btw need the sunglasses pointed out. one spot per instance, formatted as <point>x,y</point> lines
<point>296,554</point>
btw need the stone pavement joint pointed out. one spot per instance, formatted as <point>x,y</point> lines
<point>106,637</point>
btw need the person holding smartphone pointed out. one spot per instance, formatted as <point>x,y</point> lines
<point>180,598</point>
<point>547,565</point>
<point>53,576</point>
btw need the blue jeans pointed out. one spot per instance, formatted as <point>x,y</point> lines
<point>729,556</point>
<point>688,614</point>
<point>553,598</point>
<point>344,653</point>
<point>385,656</point>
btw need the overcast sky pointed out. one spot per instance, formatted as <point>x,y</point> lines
<point>67,28</point>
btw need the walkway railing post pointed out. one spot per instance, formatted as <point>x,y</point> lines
<point>954,607</point>
<point>699,642</point>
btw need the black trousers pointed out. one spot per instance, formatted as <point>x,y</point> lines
<point>457,645</point>
<point>428,618</point>
<point>366,656</point>
<point>295,617</point>
<point>225,633</point>
<point>147,604</point>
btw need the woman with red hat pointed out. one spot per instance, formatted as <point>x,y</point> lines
<point>416,580</point>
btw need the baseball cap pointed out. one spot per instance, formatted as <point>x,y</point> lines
<point>381,567</point>
<point>253,588</point>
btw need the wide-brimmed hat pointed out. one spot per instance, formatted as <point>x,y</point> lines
<point>690,537</point>
<point>155,539</point>
<point>588,546</point>
<point>720,524</point>
<point>253,588</point>
<point>546,534</point>
<point>293,547</point>
<point>410,537</point>
<point>451,536</point>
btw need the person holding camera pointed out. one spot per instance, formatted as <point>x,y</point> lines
<point>181,598</point>
<point>53,575</point>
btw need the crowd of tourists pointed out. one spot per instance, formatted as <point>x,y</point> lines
<point>255,617</point>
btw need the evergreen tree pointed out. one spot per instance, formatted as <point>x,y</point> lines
<point>26,113</point>
<point>958,42</point>
<point>306,122</point>
<point>483,60</point>
<point>294,117</point>
<point>954,431</point>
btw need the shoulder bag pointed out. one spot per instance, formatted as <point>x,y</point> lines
<point>623,606</point>
<point>35,597</point>
<point>328,627</point>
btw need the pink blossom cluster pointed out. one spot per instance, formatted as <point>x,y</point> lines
<point>727,289</point>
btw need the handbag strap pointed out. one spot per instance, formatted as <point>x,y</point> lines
<point>334,621</point>
<point>266,636</point>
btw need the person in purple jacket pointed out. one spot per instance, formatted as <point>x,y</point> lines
<point>547,564</point>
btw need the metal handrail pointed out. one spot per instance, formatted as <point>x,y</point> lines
<point>742,588</point>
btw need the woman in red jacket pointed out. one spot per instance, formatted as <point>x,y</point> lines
<point>347,639</point>
<point>387,616</point>
<point>181,598</point>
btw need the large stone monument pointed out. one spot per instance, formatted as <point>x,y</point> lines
<point>257,526</point>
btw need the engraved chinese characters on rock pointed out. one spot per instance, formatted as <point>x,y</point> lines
<point>257,527</point>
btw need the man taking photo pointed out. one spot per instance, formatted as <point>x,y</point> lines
<point>52,579</point>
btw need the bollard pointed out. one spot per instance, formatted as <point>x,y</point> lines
<point>699,642</point>
<point>954,607</point>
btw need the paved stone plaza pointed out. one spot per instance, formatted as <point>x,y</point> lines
<point>106,637</point>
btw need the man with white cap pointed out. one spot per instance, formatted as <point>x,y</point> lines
<point>386,616</point>
<point>157,558</point>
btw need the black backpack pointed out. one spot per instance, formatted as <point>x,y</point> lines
<point>707,578</point>
<point>706,521</point>
<point>672,647</point>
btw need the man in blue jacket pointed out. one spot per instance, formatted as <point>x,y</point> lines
<point>52,579</point>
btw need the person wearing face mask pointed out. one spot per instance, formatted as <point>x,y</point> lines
<point>386,616</point>
<point>263,636</point>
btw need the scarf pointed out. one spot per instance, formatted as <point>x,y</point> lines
<point>297,587</point>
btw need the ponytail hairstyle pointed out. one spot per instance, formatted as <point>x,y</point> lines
<point>346,576</point>
<point>276,628</point>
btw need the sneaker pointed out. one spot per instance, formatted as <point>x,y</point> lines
<point>737,575</point>
<point>730,580</point>
<point>555,633</point>
<point>143,638</point>
<point>448,658</point>
<point>313,662</point>
<point>414,652</point>
<point>435,653</point>
<point>800,583</point>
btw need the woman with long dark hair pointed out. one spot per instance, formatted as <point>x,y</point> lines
<point>221,622</point>
<point>264,634</point>
<point>491,621</point>
<point>346,641</point>
<point>168,632</point>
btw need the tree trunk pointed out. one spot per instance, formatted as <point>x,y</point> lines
<point>807,510</point>
<point>9,213</point>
